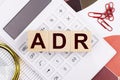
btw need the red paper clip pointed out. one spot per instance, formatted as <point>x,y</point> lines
<point>103,23</point>
<point>109,11</point>
<point>96,15</point>
<point>108,15</point>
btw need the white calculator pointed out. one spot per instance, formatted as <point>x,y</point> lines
<point>19,16</point>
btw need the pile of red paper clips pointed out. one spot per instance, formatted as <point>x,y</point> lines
<point>107,15</point>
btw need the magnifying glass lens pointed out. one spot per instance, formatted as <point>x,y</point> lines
<point>7,65</point>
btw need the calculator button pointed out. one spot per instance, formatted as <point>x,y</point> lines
<point>51,20</point>
<point>83,54</point>
<point>48,71</point>
<point>59,26</point>
<point>43,27</point>
<point>40,63</point>
<point>23,48</point>
<point>32,56</point>
<point>94,40</point>
<point>68,19</point>
<point>57,61</point>
<point>66,54</point>
<point>61,10</point>
<point>74,59</point>
<point>68,29</point>
<point>76,25</point>
<point>65,69</point>
<point>56,77</point>
<point>41,53</point>
<point>49,55</point>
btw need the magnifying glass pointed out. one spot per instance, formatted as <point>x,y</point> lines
<point>9,63</point>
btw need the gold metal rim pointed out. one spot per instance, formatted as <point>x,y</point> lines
<point>16,60</point>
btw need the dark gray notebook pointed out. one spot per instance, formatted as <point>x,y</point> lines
<point>25,17</point>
